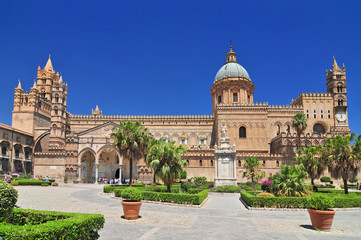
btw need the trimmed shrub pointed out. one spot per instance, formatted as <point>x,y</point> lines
<point>325,179</point>
<point>278,202</point>
<point>111,188</point>
<point>320,202</point>
<point>248,188</point>
<point>325,186</point>
<point>353,180</point>
<point>227,188</point>
<point>265,194</point>
<point>30,182</point>
<point>33,224</point>
<point>132,194</point>
<point>182,198</point>
<point>8,199</point>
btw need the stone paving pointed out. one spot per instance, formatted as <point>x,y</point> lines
<point>222,217</point>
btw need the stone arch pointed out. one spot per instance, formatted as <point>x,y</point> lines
<point>81,153</point>
<point>175,137</point>
<point>105,147</point>
<point>192,139</point>
<point>317,127</point>
<point>157,135</point>
<point>39,138</point>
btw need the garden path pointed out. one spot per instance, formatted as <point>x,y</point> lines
<point>222,217</point>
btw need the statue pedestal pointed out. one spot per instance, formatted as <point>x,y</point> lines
<point>225,163</point>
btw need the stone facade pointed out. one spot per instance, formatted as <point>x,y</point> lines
<point>80,145</point>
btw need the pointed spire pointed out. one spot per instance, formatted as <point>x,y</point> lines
<point>34,86</point>
<point>334,65</point>
<point>61,79</point>
<point>19,85</point>
<point>48,66</point>
<point>97,107</point>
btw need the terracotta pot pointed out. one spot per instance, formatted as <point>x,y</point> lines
<point>54,184</point>
<point>65,182</point>
<point>44,185</point>
<point>14,184</point>
<point>322,220</point>
<point>131,209</point>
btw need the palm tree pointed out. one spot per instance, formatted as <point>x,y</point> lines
<point>166,162</point>
<point>252,164</point>
<point>289,182</point>
<point>299,123</point>
<point>153,141</point>
<point>311,161</point>
<point>343,156</point>
<point>132,141</point>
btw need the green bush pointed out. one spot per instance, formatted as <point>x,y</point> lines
<point>248,188</point>
<point>195,196</point>
<point>227,188</point>
<point>320,202</point>
<point>8,199</point>
<point>111,188</point>
<point>278,202</point>
<point>132,194</point>
<point>33,224</point>
<point>353,180</point>
<point>185,186</point>
<point>26,182</point>
<point>325,179</point>
<point>184,174</point>
<point>325,186</point>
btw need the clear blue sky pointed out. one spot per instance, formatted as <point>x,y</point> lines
<point>161,57</point>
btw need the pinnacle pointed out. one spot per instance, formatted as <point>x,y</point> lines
<point>48,65</point>
<point>19,85</point>
<point>34,86</point>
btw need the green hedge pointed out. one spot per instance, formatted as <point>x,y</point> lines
<point>341,200</point>
<point>325,186</point>
<point>111,188</point>
<point>183,198</point>
<point>33,224</point>
<point>278,202</point>
<point>227,188</point>
<point>30,182</point>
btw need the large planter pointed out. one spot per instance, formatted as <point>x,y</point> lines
<point>45,185</point>
<point>131,209</point>
<point>322,219</point>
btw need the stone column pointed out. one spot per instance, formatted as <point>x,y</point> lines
<point>96,172</point>
<point>79,171</point>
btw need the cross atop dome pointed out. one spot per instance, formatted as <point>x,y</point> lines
<point>231,56</point>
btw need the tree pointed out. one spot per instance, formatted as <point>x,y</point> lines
<point>252,165</point>
<point>132,141</point>
<point>311,161</point>
<point>289,182</point>
<point>166,162</point>
<point>343,156</point>
<point>299,123</point>
<point>153,141</point>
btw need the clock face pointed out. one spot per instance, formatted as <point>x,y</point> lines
<point>341,116</point>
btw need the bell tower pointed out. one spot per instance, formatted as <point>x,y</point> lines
<point>336,85</point>
<point>59,127</point>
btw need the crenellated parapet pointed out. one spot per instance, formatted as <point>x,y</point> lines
<point>143,117</point>
<point>310,96</point>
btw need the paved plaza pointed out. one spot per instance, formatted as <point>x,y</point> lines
<point>222,217</point>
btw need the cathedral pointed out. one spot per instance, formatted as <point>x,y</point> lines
<point>47,140</point>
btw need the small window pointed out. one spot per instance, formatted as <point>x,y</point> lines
<point>3,150</point>
<point>329,116</point>
<point>187,162</point>
<point>239,163</point>
<point>277,163</point>
<point>26,155</point>
<point>248,99</point>
<point>308,116</point>
<point>44,81</point>
<point>314,115</point>
<point>17,153</point>
<point>264,163</point>
<point>219,99</point>
<point>321,115</point>
<point>200,163</point>
<point>278,129</point>
<point>211,163</point>
<point>242,132</point>
<point>235,97</point>
<point>288,129</point>
<point>340,102</point>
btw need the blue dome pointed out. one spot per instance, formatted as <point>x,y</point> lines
<point>231,69</point>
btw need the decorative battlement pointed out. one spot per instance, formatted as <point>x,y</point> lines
<point>312,96</point>
<point>143,117</point>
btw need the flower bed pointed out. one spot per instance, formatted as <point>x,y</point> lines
<point>34,224</point>
<point>341,200</point>
<point>195,196</point>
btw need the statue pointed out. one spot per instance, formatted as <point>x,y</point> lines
<point>224,131</point>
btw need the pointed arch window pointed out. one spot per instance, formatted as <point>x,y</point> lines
<point>242,132</point>
<point>200,163</point>
<point>211,163</point>
<point>219,99</point>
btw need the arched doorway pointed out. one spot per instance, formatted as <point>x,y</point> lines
<point>87,159</point>
<point>109,163</point>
